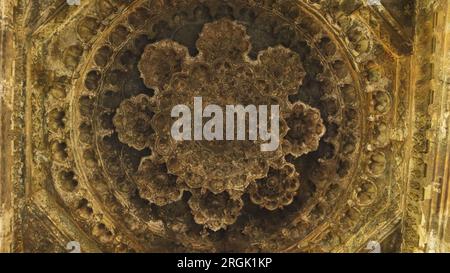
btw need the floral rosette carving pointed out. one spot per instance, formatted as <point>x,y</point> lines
<point>218,173</point>
<point>215,211</point>
<point>277,190</point>
<point>305,129</point>
<point>133,122</point>
<point>156,184</point>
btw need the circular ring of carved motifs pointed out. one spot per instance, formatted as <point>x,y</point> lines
<point>217,195</point>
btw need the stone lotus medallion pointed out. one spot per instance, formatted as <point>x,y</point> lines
<point>101,165</point>
<point>217,173</point>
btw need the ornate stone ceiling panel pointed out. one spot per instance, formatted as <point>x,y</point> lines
<point>100,80</point>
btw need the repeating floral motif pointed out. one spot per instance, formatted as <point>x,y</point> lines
<point>110,167</point>
<point>221,73</point>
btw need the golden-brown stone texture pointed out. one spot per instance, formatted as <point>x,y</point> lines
<point>86,153</point>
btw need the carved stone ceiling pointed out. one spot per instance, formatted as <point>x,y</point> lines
<point>99,80</point>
